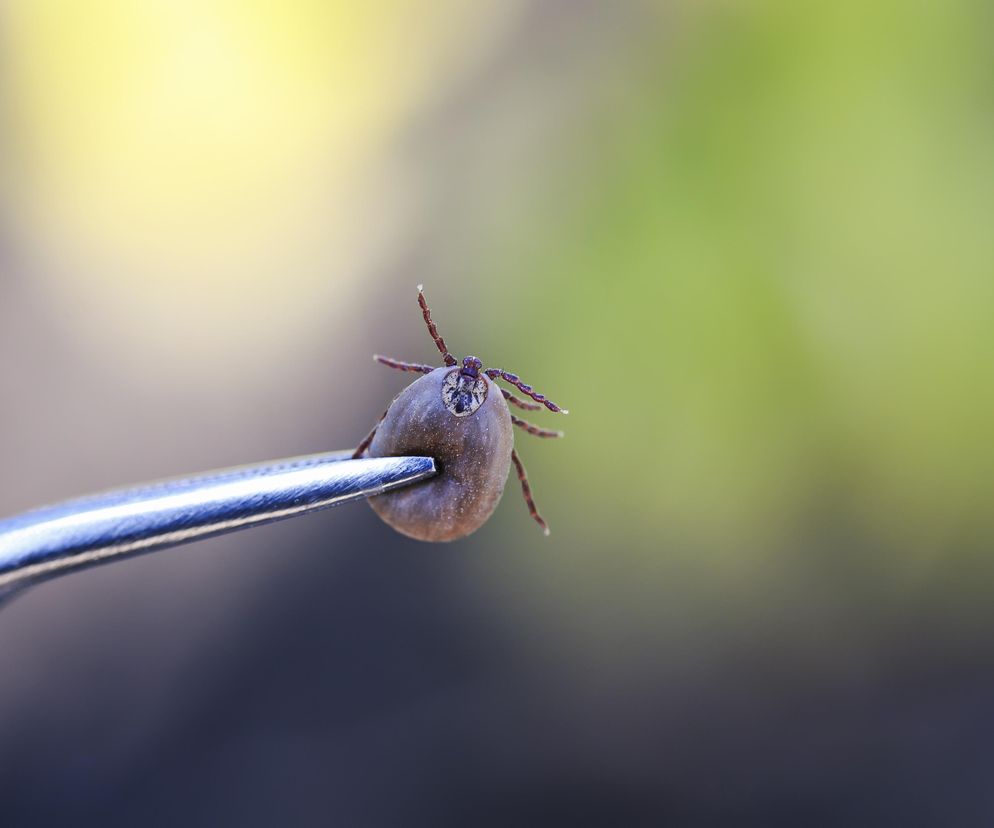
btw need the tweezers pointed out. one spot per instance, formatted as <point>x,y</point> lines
<point>119,524</point>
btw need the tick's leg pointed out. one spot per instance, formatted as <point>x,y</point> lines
<point>527,406</point>
<point>526,490</point>
<point>414,367</point>
<point>439,342</point>
<point>531,429</point>
<point>368,439</point>
<point>515,380</point>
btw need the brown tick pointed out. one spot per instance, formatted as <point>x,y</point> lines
<point>450,414</point>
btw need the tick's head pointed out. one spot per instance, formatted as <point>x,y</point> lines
<point>471,367</point>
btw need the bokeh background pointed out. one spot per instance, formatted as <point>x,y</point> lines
<point>747,243</point>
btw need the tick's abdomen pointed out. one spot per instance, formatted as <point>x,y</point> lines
<point>472,450</point>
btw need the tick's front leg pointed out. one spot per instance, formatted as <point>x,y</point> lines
<point>413,367</point>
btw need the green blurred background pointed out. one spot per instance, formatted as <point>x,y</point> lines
<point>745,243</point>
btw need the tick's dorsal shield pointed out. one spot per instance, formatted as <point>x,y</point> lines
<point>462,395</point>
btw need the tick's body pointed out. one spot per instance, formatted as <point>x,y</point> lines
<point>473,453</point>
<point>455,415</point>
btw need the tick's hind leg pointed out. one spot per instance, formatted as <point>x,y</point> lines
<point>432,329</point>
<point>526,490</point>
<point>515,380</point>
<point>414,367</point>
<point>368,439</point>
<point>535,430</point>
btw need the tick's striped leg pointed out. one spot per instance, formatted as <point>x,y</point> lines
<point>526,490</point>
<point>368,439</point>
<point>531,429</point>
<point>413,367</point>
<point>527,406</point>
<point>432,329</point>
<point>515,380</point>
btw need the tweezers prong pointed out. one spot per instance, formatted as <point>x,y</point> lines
<point>118,524</point>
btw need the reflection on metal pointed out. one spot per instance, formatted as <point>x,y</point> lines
<point>118,524</point>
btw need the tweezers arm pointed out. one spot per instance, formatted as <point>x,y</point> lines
<point>118,524</point>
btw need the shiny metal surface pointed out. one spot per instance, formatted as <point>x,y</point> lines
<point>121,523</point>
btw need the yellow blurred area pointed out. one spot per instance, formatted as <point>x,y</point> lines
<point>180,159</point>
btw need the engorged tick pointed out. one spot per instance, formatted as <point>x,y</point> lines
<point>450,415</point>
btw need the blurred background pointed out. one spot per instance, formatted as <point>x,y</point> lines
<point>747,243</point>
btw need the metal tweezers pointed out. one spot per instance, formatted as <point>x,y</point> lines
<point>115,525</point>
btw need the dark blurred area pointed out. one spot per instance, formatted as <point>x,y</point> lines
<point>745,243</point>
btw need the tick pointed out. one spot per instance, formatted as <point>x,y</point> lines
<point>457,414</point>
